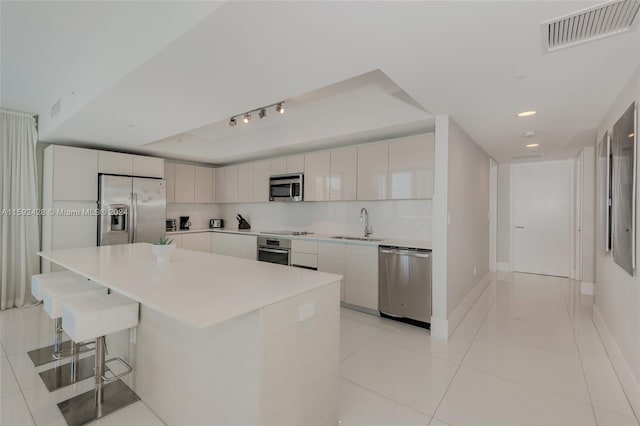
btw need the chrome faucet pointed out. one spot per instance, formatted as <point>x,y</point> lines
<point>364,217</point>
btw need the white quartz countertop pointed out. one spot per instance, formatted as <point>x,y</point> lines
<point>199,289</point>
<point>314,237</point>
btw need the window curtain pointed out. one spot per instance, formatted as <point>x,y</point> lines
<point>19,229</point>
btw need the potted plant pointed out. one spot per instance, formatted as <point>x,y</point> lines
<point>162,249</point>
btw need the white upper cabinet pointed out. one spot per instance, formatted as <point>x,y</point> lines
<point>170,176</point>
<point>204,188</point>
<point>261,173</point>
<point>279,166</point>
<point>220,192</point>
<point>75,173</point>
<point>245,183</point>
<point>115,163</point>
<point>295,164</point>
<point>373,171</point>
<point>344,166</point>
<point>317,166</point>
<point>411,164</point>
<point>148,166</point>
<point>185,184</point>
<point>231,184</point>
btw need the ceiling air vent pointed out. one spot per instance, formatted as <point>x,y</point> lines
<point>603,20</point>
<point>532,156</point>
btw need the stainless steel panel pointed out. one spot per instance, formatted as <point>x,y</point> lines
<point>114,221</point>
<point>148,209</point>
<point>405,283</point>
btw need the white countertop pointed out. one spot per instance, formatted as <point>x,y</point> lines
<point>314,237</point>
<point>199,289</point>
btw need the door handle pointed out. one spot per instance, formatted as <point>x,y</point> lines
<point>519,227</point>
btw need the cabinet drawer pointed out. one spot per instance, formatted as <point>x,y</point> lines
<point>301,246</point>
<point>304,259</point>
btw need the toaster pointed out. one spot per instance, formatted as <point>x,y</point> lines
<point>216,223</point>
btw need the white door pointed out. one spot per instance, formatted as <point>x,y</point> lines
<point>542,218</point>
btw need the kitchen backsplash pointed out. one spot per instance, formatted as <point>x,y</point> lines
<point>199,214</point>
<point>406,219</point>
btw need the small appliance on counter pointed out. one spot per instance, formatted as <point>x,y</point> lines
<point>242,222</point>
<point>184,223</point>
<point>216,223</point>
<point>172,225</point>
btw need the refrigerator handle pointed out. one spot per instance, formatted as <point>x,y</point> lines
<point>132,228</point>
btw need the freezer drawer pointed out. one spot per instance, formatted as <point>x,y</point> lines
<point>405,283</point>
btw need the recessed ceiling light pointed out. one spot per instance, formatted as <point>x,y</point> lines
<point>532,145</point>
<point>526,113</point>
<point>530,133</point>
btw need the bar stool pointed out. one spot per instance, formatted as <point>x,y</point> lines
<point>55,296</point>
<point>93,317</point>
<point>39,283</point>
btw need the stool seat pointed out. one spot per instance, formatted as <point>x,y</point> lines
<point>58,293</point>
<point>98,315</point>
<point>40,282</point>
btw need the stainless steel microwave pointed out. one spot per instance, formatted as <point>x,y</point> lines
<point>288,187</point>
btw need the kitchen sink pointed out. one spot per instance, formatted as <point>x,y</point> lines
<point>342,237</point>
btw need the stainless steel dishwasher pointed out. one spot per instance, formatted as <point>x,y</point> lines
<point>405,284</point>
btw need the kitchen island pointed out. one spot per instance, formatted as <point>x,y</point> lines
<point>224,340</point>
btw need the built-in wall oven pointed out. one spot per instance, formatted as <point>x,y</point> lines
<point>274,250</point>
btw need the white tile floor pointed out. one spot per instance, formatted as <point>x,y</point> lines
<point>527,353</point>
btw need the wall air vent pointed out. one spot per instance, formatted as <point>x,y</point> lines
<point>532,156</point>
<point>603,20</point>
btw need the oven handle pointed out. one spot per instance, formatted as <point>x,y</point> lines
<point>278,251</point>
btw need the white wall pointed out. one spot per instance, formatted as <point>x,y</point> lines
<point>462,193</point>
<point>405,219</point>
<point>504,209</point>
<point>617,294</point>
<point>468,201</point>
<point>588,214</point>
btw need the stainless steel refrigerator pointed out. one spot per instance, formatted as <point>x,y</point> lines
<point>132,209</point>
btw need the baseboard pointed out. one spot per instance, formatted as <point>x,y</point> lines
<point>504,266</point>
<point>620,365</point>
<point>586,288</point>
<point>444,328</point>
<point>439,328</point>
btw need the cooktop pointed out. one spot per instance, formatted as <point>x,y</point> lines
<point>287,232</point>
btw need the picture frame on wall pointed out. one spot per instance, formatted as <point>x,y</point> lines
<point>623,150</point>
<point>604,189</point>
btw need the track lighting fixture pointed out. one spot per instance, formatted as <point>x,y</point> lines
<point>262,113</point>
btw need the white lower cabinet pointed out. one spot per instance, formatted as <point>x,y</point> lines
<point>197,242</point>
<point>361,276</point>
<point>331,259</point>
<point>359,267</point>
<point>244,246</point>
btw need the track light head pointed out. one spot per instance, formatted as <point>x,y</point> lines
<point>246,118</point>
<point>280,108</point>
<point>232,122</point>
<point>262,114</point>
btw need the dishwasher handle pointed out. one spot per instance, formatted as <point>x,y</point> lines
<point>413,253</point>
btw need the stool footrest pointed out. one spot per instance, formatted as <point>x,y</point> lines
<point>112,376</point>
<point>66,353</point>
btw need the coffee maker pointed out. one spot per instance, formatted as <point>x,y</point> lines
<point>184,222</point>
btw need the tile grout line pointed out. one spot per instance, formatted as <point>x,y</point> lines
<point>575,341</point>
<point>484,318</point>
<point>24,400</point>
